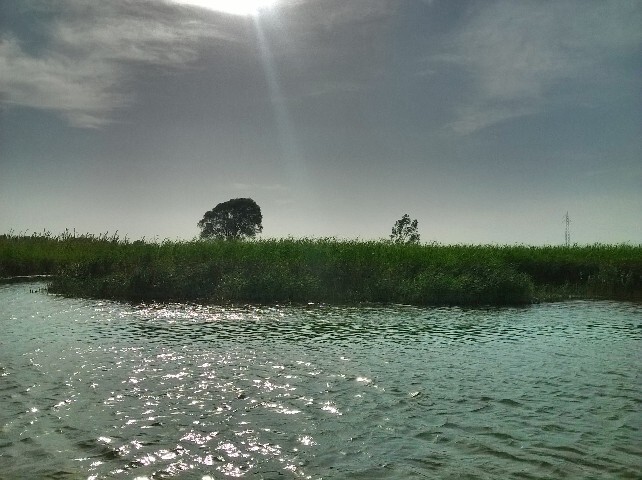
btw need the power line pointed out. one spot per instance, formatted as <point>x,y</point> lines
<point>567,233</point>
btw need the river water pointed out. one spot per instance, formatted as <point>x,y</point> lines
<point>95,389</point>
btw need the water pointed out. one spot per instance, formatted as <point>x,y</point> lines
<point>92,389</point>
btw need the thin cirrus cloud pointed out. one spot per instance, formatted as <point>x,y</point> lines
<point>92,50</point>
<point>519,54</point>
<point>81,91</point>
<point>516,57</point>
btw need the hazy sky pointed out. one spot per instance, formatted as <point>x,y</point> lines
<point>485,120</point>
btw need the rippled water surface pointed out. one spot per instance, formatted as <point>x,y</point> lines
<point>93,389</point>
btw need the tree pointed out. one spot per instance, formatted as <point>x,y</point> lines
<point>235,219</point>
<point>405,231</point>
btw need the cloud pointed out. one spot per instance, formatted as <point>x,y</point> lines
<point>80,91</point>
<point>517,55</point>
<point>92,50</point>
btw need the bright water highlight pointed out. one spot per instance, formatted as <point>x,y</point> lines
<point>96,390</point>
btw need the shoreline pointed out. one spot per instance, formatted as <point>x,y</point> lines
<point>25,278</point>
<point>551,295</point>
<point>555,296</point>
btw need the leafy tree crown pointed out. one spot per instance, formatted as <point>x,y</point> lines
<point>235,219</point>
<point>405,230</point>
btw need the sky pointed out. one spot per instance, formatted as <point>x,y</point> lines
<point>485,120</point>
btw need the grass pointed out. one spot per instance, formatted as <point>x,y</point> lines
<point>325,270</point>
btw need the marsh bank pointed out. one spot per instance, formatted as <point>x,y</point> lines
<point>330,271</point>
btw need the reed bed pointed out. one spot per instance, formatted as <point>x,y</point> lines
<point>322,270</point>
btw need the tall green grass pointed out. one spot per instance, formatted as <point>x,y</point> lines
<point>42,253</point>
<point>325,270</point>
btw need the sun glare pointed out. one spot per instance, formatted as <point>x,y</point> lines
<point>233,7</point>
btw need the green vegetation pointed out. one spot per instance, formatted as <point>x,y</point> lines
<point>405,230</point>
<point>328,270</point>
<point>236,219</point>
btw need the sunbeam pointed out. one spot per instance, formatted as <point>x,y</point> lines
<point>289,146</point>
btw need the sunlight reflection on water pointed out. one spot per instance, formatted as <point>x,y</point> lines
<point>102,390</point>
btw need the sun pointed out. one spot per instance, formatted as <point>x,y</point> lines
<point>232,7</point>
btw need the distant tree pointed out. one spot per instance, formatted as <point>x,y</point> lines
<point>405,230</point>
<point>235,219</point>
